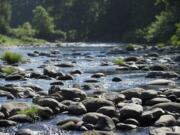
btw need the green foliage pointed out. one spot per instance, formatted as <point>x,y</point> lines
<point>8,70</point>
<point>23,31</point>
<point>119,61</point>
<point>32,112</point>
<point>5,15</point>
<point>175,39</point>
<point>130,47</point>
<point>42,21</point>
<point>12,58</point>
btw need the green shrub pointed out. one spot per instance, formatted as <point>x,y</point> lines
<point>8,70</point>
<point>12,58</point>
<point>119,61</point>
<point>175,39</point>
<point>32,112</point>
<point>130,47</point>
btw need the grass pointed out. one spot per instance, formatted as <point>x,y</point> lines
<point>10,41</point>
<point>130,47</point>
<point>119,61</point>
<point>8,70</point>
<point>12,57</point>
<point>160,45</point>
<point>32,112</point>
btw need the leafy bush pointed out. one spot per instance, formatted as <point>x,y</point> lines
<point>25,30</point>
<point>31,112</point>
<point>175,39</point>
<point>12,58</point>
<point>119,61</point>
<point>8,70</point>
<point>130,47</point>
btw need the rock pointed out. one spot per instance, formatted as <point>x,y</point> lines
<point>99,133</point>
<point>153,54</point>
<point>73,93</point>
<point>98,75</point>
<point>136,101</point>
<point>64,65</point>
<point>26,132</point>
<point>177,58</point>
<point>169,106</point>
<point>149,94</point>
<point>76,72</point>
<point>108,111</point>
<point>158,68</point>
<point>131,111</point>
<point>162,82</point>
<point>131,58</point>
<point>52,103</point>
<point>2,116</point>
<point>77,109</point>
<point>65,77</point>
<point>135,92</point>
<point>114,97</point>
<point>105,123</point>
<point>160,131</point>
<point>1,133</point>
<point>44,112</point>
<point>6,94</point>
<point>14,77</point>
<point>165,120</point>
<point>93,104</point>
<point>149,117</point>
<point>117,50</point>
<point>175,92</point>
<point>12,108</point>
<point>131,121</point>
<point>57,83</point>
<point>7,123</point>
<point>91,118</point>
<point>162,74</point>
<point>91,81</point>
<point>22,118</point>
<point>116,79</point>
<point>73,119</point>
<point>156,101</point>
<point>51,71</point>
<point>123,126</point>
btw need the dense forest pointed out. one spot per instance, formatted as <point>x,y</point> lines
<point>140,21</point>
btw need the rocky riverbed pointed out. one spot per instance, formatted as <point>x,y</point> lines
<point>77,89</point>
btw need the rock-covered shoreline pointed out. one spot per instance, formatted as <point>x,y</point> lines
<point>155,105</point>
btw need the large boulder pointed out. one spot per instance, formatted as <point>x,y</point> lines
<point>21,118</point>
<point>93,104</point>
<point>108,110</point>
<point>7,123</point>
<point>165,120</point>
<point>149,94</point>
<point>77,109</point>
<point>135,92</point>
<point>131,111</point>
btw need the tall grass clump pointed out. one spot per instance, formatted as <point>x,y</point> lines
<point>32,112</point>
<point>12,58</point>
<point>119,61</point>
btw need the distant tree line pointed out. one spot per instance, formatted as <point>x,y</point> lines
<point>152,21</point>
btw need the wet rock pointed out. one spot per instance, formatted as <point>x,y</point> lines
<point>99,133</point>
<point>44,112</point>
<point>123,126</point>
<point>34,87</point>
<point>7,123</point>
<point>165,120</point>
<point>156,101</point>
<point>161,82</point>
<point>91,118</point>
<point>53,104</point>
<point>6,94</point>
<point>14,77</point>
<point>22,118</point>
<point>73,119</point>
<point>135,92</point>
<point>65,77</point>
<point>37,75</point>
<point>149,117</point>
<point>12,108</point>
<point>162,74</point>
<point>131,121</point>
<point>2,116</point>
<point>77,109</point>
<point>76,72</point>
<point>91,81</point>
<point>131,111</point>
<point>51,71</point>
<point>65,65</point>
<point>114,97</point>
<point>160,131</point>
<point>131,58</point>
<point>108,111</point>
<point>93,104</point>
<point>117,50</point>
<point>116,79</point>
<point>175,92</point>
<point>57,83</point>
<point>153,54</point>
<point>158,68</point>
<point>149,94</point>
<point>105,123</point>
<point>177,58</point>
<point>72,93</point>
<point>169,106</point>
<point>97,75</point>
<point>26,132</point>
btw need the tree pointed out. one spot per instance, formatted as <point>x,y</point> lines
<point>5,15</point>
<point>42,21</point>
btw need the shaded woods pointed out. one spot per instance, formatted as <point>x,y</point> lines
<point>141,21</point>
